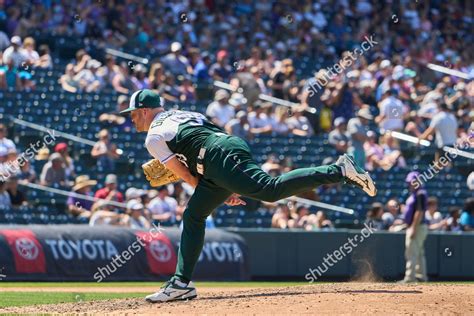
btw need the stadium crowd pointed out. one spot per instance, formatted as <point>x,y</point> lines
<point>262,47</point>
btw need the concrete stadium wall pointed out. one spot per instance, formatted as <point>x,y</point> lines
<point>290,254</point>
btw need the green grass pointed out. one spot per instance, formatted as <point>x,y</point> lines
<point>142,284</point>
<point>8,299</point>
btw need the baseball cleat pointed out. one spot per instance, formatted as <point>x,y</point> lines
<point>173,290</point>
<point>356,175</point>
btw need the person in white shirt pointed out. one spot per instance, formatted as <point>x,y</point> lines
<point>14,52</point>
<point>433,216</point>
<point>259,121</point>
<point>163,207</point>
<point>220,111</point>
<point>6,143</point>
<point>392,111</point>
<point>445,125</point>
<point>29,53</point>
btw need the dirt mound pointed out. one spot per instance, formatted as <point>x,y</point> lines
<point>328,299</point>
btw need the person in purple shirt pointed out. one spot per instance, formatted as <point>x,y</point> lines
<point>417,231</point>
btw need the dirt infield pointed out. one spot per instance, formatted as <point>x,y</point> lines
<point>337,298</point>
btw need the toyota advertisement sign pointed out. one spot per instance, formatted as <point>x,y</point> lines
<point>83,253</point>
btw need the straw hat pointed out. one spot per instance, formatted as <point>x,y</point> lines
<point>43,154</point>
<point>82,182</point>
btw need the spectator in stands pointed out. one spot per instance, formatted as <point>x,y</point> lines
<point>10,76</point>
<point>10,164</point>
<point>445,125</point>
<point>110,192</point>
<point>169,88</point>
<point>68,81</point>
<point>122,82</point>
<point>139,78</point>
<point>278,76</point>
<point>339,137</point>
<point>163,207</point>
<point>105,152</point>
<point>17,197</point>
<point>30,55</point>
<point>188,93</point>
<point>239,126</point>
<point>238,101</point>
<point>136,220</point>
<point>5,142</point>
<point>176,62</point>
<point>470,181</point>
<point>392,217</point>
<point>4,41</point>
<point>27,173</point>
<point>156,77</point>
<point>415,125</point>
<point>303,214</point>
<point>356,129</point>
<point>88,78</point>
<point>392,112</point>
<point>272,165</point>
<point>433,216</point>
<point>62,149</point>
<point>220,111</point>
<point>259,121</point>
<point>45,61</point>
<point>221,70</point>
<point>115,117</point>
<point>80,206</point>
<point>108,71</point>
<point>201,69</point>
<point>5,201</point>
<point>283,218</point>
<point>374,216</point>
<point>452,222</point>
<point>467,216</point>
<point>53,172</point>
<point>321,221</point>
<point>103,217</point>
<point>279,121</point>
<point>13,54</point>
<point>377,157</point>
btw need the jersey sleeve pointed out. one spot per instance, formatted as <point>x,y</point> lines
<point>158,148</point>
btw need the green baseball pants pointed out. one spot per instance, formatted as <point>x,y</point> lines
<point>229,168</point>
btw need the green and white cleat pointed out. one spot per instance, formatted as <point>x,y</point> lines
<point>173,291</point>
<point>356,175</point>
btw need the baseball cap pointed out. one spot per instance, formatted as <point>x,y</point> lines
<point>412,176</point>
<point>110,178</point>
<point>221,54</point>
<point>144,98</point>
<point>60,147</point>
<point>16,40</point>
<point>365,113</point>
<point>339,120</point>
<point>176,46</point>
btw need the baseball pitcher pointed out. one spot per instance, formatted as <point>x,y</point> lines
<point>220,167</point>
